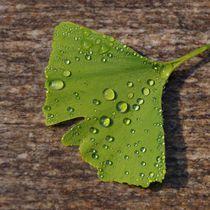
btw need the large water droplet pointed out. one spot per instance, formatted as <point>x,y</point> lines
<point>96,101</point>
<point>140,101</point>
<point>122,106</point>
<point>146,91</point>
<point>56,84</point>
<point>109,94</point>
<point>150,82</point>
<point>109,138</point>
<point>130,84</point>
<point>127,121</point>
<point>66,73</point>
<point>93,130</point>
<point>105,121</point>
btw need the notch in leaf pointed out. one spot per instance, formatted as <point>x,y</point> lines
<point>118,93</point>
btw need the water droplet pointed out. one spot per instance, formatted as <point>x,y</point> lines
<point>66,73</point>
<point>130,95</point>
<point>146,91</point>
<point>57,84</point>
<point>127,121</point>
<point>109,138</point>
<point>105,121</point>
<point>96,101</point>
<point>109,94</point>
<point>92,139</point>
<point>104,60</point>
<point>88,57</point>
<point>136,107</point>
<point>77,58</point>
<point>47,107</point>
<point>143,163</point>
<point>93,130</point>
<point>151,174</point>
<point>70,109</point>
<point>130,84</point>
<point>95,156</point>
<point>67,61</point>
<point>126,157</point>
<point>140,101</point>
<point>50,116</point>
<point>156,165</point>
<point>143,149</point>
<point>141,175</point>
<point>110,55</point>
<point>109,162</point>
<point>132,131</point>
<point>122,106</point>
<point>105,146</point>
<point>150,82</point>
<point>158,159</point>
<point>126,172</point>
<point>136,152</point>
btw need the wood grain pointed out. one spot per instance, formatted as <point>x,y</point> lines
<point>36,171</point>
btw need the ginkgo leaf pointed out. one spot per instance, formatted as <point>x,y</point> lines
<point>118,93</point>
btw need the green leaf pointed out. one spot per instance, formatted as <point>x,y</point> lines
<point>118,93</point>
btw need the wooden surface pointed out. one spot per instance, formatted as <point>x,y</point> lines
<point>36,171</point>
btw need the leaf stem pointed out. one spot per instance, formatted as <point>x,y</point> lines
<point>170,66</point>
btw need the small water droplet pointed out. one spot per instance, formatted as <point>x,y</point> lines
<point>126,172</point>
<point>132,131</point>
<point>110,55</point>
<point>95,156</point>
<point>150,82</point>
<point>50,116</point>
<point>93,130</point>
<point>105,146</point>
<point>130,95</point>
<point>77,58</point>
<point>122,106</point>
<point>88,57</point>
<point>143,149</point>
<point>136,152</point>
<point>136,107</point>
<point>104,60</point>
<point>156,165</point>
<point>143,163</point>
<point>126,157</point>
<point>151,174</point>
<point>66,73</point>
<point>96,101</point>
<point>47,107</point>
<point>146,91</point>
<point>109,138</point>
<point>67,61</point>
<point>56,84</point>
<point>140,101</point>
<point>127,121</point>
<point>109,94</point>
<point>130,84</point>
<point>158,159</point>
<point>70,109</point>
<point>105,121</point>
<point>141,175</point>
<point>92,139</point>
<point>109,162</point>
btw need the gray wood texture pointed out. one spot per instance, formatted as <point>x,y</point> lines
<point>36,171</point>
